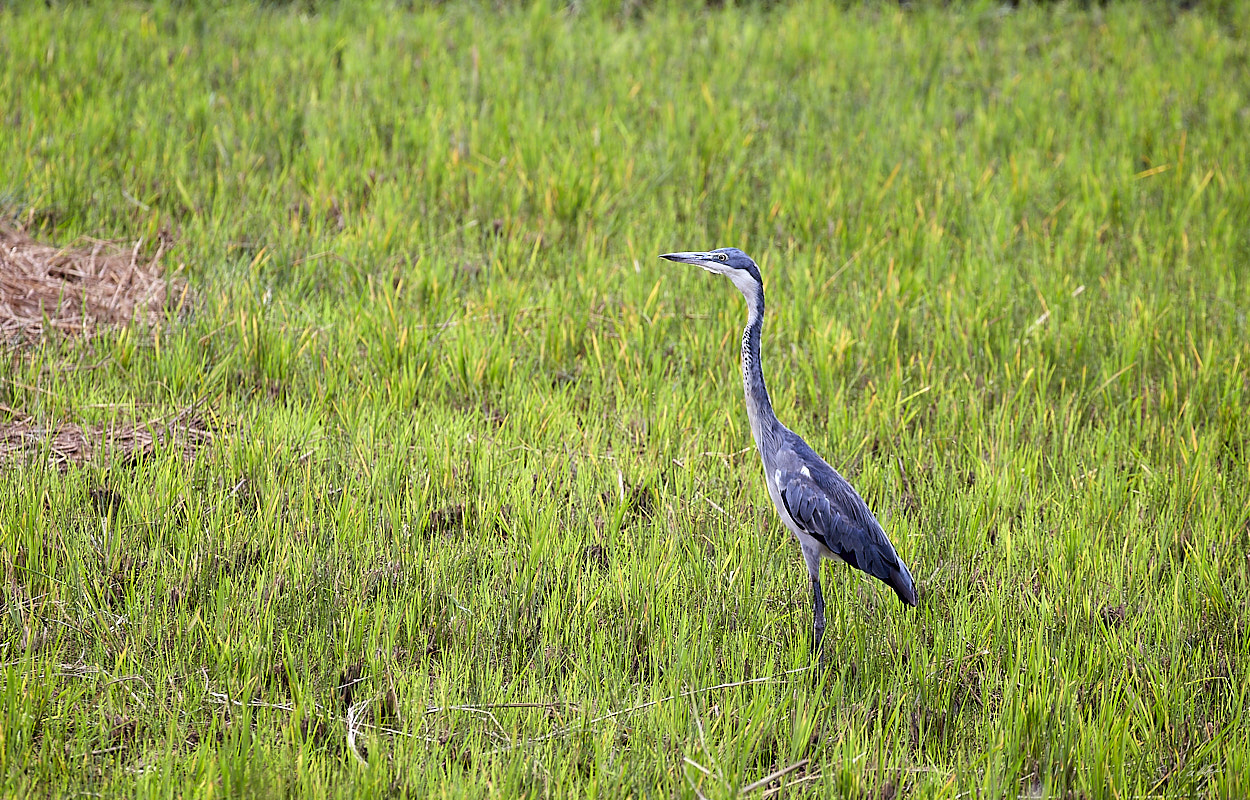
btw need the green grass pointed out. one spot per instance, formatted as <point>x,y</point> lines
<point>478,448</point>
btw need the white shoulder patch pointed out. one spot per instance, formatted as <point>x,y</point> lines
<point>806,472</point>
<point>777,477</point>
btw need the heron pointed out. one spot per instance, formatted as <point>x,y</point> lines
<point>822,510</point>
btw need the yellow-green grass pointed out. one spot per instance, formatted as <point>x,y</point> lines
<point>482,456</point>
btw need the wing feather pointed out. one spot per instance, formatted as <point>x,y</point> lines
<point>828,509</point>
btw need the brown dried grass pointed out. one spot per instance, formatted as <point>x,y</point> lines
<point>79,290</point>
<point>118,443</point>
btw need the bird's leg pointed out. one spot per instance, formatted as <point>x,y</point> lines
<point>818,614</point>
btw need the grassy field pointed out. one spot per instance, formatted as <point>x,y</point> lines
<point>480,487</point>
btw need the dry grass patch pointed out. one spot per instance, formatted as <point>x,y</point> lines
<point>117,442</point>
<point>79,289</point>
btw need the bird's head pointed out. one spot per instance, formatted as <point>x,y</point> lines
<point>726,261</point>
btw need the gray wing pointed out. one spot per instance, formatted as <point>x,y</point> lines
<point>828,509</point>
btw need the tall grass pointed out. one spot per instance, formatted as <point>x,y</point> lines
<point>481,475</point>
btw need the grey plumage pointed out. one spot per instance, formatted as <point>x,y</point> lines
<point>822,510</point>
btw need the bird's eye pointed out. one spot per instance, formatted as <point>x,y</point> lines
<point>722,257</point>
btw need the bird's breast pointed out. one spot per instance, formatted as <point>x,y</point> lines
<point>772,479</point>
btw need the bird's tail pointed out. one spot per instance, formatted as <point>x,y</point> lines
<point>900,581</point>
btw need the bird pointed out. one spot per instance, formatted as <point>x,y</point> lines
<point>822,510</point>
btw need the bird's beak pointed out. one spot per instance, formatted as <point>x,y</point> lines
<point>705,260</point>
